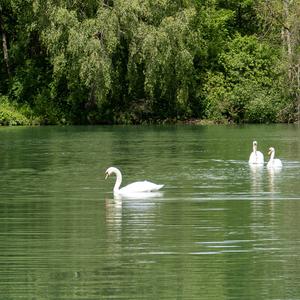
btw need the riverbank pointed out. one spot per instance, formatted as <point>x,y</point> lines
<point>14,115</point>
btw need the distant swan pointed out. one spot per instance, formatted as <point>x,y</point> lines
<point>256,157</point>
<point>135,187</point>
<point>273,162</point>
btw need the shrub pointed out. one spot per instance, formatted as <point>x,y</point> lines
<point>9,115</point>
<point>243,89</point>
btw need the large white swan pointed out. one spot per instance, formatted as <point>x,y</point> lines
<point>256,157</point>
<point>135,187</point>
<point>273,162</point>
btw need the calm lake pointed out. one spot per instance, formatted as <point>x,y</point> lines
<point>218,230</point>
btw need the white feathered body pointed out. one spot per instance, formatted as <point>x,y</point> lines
<point>139,187</point>
<point>274,163</point>
<point>256,157</point>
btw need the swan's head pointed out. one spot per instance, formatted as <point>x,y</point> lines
<point>111,170</point>
<point>108,172</point>
<point>254,145</point>
<point>271,150</point>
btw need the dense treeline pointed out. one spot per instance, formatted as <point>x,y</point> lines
<point>116,61</point>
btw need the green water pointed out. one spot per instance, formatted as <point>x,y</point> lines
<point>219,230</point>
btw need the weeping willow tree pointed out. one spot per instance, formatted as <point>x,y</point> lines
<point>166,54</point>
<point>127,59</point>
<point>80,39</point>
<point>108,61</point>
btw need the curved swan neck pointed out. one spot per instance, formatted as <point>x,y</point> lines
<point>118,180</point>
<point>254,148</point>
<point>272,155</point>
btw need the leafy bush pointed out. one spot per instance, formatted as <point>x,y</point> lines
<point>9,115</point>
<point>244,91</point>
<point>262,108</point>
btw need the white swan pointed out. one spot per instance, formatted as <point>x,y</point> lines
<point>256,157</point>
<point>273,162</point>
<point>135,187</point>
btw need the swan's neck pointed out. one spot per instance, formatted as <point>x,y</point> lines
<point>272,156</point>
<point>254,149</point>
<point>118,181</point>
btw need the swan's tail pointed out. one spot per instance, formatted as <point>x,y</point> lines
<point>158,187</point>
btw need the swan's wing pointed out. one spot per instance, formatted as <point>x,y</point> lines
<point>252,158</point>
<point>260,156</point>
<point>141,186</point>
<point>257,158</point>
<point>275,163</point>
<point>139,195</point>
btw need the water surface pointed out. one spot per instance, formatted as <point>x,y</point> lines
<point>219,229</point>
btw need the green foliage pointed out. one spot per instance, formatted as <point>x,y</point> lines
<point>245,90</point>
<point>115,61</point>
<point>166,53</point>
<point>9,115</point>
<point>262,107</point>
<point>80,52</point>
<point>244,18</point>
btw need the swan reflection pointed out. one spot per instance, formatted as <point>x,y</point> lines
<point>256,171</point>
<point>138,196</point>
<point>273,173</point>
<point>113,209</point>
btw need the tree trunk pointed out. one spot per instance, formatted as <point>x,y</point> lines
<point>5,52</point>
<point>287,37</point>
<point>4,44</point>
